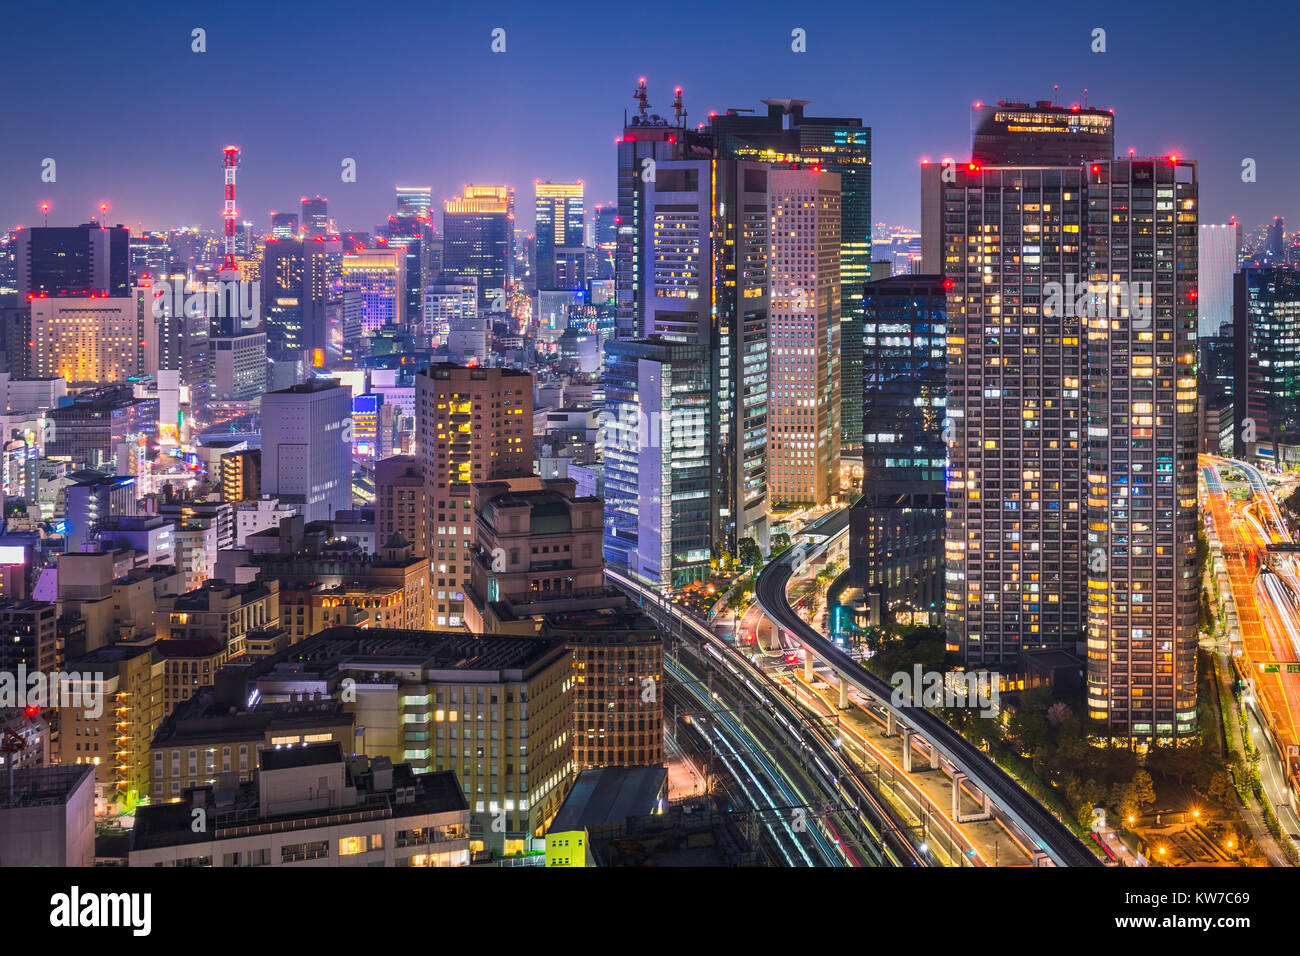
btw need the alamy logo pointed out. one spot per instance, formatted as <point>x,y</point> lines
<point>1101,300</point>
<point>216,299</point>
<point>936,689</point>
<point>74,909</point>
<point>61,689</point>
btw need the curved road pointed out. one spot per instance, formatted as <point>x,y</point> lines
<point>1052,837</point>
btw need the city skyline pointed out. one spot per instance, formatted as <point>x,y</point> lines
<point>493,133</point>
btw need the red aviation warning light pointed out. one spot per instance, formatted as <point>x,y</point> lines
<point>230,162</point>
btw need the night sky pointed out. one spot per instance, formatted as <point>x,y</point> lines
<point>414,94</point>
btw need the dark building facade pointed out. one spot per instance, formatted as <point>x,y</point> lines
<point>896,529</point>
<point>1266,375</point>
<point>57,261</point>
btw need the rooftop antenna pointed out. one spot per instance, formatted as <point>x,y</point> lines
<point>640,95</point>
<point>1085,97</point>
<point>1056,89</point>
<point>677,107</point>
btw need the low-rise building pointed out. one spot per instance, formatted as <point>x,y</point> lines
<point>311,806</point>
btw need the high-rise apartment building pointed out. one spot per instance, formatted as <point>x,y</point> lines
<point>804,344</point>
<point>1015,399</point>
<point>1142,583</point>
<point>478,242</point>
<point>475,424</point>
<point>560,222</point>
<point>307,447</point>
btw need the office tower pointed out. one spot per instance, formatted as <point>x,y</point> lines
<point>475,424</point>
<point>150,255</point>
<point>445,304</point>
<point>114,737</point>
<point>62,261</point>
<point>415,201</point>
<point>400,504</point>
<point>85,340</point>
<point>1275,250</point>
<point>1015,488</point>
<point>660,507</point>
<point>413,237</point>
<point>238,364</point>
<point>840,145</point>
<point>380,276</point>
<point>241,475</point>
<point>301,284</point>
<point>307,447</point>
<point>570,268</point>
<point>896,529</point>
<point>9,263</point>
<point>284,225</point>
<point>1142,581</point>
<point>707,240</point>
<point>605,239</point>
<point>803,464</point>
<point>1017,134</point>
<point>1266,378</point>
<point>478,242</point>
<point>647,139</point>
<point>1218,254</point>
<point>560,222</point>
<point>315,217</point>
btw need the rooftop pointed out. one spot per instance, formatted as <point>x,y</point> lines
<point>609,795</point>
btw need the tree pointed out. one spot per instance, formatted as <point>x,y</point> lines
<point>1084,816</point>
<point>1144,789</point>
<point>750,553</point>
<point>1057,713</point>
<point>1220,787</point>
<point>780,542</point>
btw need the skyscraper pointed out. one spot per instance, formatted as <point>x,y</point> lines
<point>478,242</point>
<point>1218,254</point>
<point>415,201</point>
<point>475,424</point>
<point>1142,441</point>
<point>379,275</point>
<point>301,279</point>
<point>315,217</point>
<point>307,447</point>
<point>560,222</point>
<point>706,237</point>
<point>659,487</point>
<point>1015,399</point>
<point>840,145</point>
<point>413,236</point>
<point>88,339</point>
<point>804,335</point>
<point>284,225</point>
<point>896,529</point>
<point>1017,134</point>
<point>73,261</point>
<point>1266,380</point>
